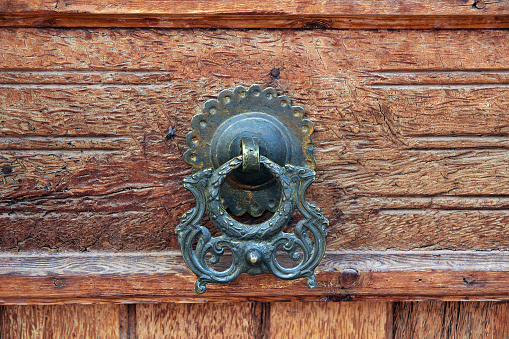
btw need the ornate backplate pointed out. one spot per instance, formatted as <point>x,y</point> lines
<point>284,137</point>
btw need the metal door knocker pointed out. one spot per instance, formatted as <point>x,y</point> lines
<point>251,151</point>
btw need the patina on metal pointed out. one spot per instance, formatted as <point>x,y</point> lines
<point>282,134</point>
<point>251,147</point>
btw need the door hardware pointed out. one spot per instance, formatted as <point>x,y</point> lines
<point>251,152</point>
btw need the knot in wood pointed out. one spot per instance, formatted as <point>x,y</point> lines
<point>348,277</point>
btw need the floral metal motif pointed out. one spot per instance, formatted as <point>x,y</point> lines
<point>254,248</point>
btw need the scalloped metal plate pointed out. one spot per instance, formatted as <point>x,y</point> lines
<point>254,101</point>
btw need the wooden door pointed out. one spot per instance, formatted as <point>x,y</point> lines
<point>409,101</point>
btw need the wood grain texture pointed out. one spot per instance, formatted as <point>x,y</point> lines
<point>69,321</point>
<point>440,7</point>
<point>164,277</point>
<point>451,320</point>
<point>256,14</point>
<point>329,320</point>
<point>410,132</point>
<point>260,320</point>
<point>266,320</point>
<point>257,21</point>
<point>221,320</point>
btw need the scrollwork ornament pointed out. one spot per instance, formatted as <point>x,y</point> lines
<point>251,151</point>
<point>253,247</point>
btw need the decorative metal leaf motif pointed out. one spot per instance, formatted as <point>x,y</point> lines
<point>266,238</point>
<point>279,185</point>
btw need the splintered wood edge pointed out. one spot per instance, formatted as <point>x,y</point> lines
<point>164,277</point>
<point>307,14</point>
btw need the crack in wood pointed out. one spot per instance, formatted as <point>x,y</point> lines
<point>90,77</point>
<point>63,143</point>
<point>450,143</point>
<point>84,85</point>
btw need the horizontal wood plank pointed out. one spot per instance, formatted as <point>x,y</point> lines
<point>163,277</point>
<point>440,7</point>
<point>256,14</point>
<point>148,50</point>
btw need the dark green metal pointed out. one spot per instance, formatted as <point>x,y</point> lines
<point>283,136</point>
<point>264,153</point>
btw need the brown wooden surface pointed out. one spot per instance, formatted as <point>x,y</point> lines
<point>236,320</point>
<point>451,320</point>
<point>49,322</point>
<point>410,143</point>
<point>402,163</point>
<point>160,277</point>
<point>260,320</point>
<point>411,146</point>
<point>223,320</point>
<point>256,14</point>
<point>329,320</point>
<point>283,7</point>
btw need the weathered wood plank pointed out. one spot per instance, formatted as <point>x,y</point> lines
<point>171,262</point>
<point>450,320</point>
<point>256,14</point>
<point>403,162</point>
<point>329,320</point>
<point>256,21</point>
<point>500,320</point>
<point>444,78</point>
<point>221,320</point>
<point>69,321</point>
<point>471,116</point>
<point>441,7</point>
<point>164,277</point>
<point>143,50</point>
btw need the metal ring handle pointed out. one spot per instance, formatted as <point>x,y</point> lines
<point>224,222</point>
<point>253,247</point>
